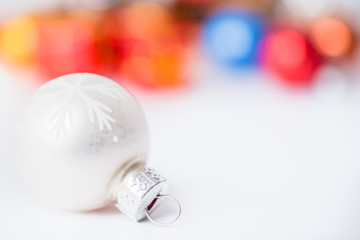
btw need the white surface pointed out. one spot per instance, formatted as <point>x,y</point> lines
<point>246,159</point>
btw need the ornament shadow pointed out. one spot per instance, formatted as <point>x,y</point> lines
<point>111,209</point>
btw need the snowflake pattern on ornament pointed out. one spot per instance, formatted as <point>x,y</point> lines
<point>68,91</point>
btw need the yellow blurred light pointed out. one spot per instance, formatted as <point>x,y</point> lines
<point>18,39</point>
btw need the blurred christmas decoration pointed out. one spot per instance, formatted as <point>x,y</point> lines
<point>260,6</point>
<point>288,54</point>
<point>18,39</point>
<point>233,37</point>
<point>187,17</point>
<point>149,47</point>
<point>146,20</point>
<point>147,42</point>
<point>66,44</point>
<point>154,64</point>
<point>332,37</point>
<point>189,10</point>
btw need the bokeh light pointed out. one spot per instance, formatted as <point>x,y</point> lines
<point>66,45</point>
<point>146,20</point>
<point>233,37</point>
<point>263,93</point>
<point>331,37</point>
<point>151,43</point>
<point>289,55</point>
<point>18,39</point>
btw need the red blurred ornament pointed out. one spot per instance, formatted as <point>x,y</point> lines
<point>289,55</point>
<point>110,45</point>
<point>67,45</point>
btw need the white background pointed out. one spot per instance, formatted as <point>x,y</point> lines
<point>246,158</point>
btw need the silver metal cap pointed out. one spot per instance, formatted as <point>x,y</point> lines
<point>139,196</point>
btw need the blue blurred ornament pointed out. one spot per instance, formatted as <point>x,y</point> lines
<point>233,37</point>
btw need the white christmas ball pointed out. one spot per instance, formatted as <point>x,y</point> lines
<point>75,136</point>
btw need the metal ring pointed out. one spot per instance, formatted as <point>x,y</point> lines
<point>167,223</point>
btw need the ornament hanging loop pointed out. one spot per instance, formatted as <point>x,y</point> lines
<point>166,223</point>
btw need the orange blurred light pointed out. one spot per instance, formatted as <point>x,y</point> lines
<point>146,20</point>
<point>18,39</point>
<point>145,45</point>
<point>331,37</point>
<point>155,64</point>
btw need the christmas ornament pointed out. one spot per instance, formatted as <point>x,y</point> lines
<point>232,37</point>
<point>68,39</point>
<point>161,64</point>
<point>332,37</point>
<point>153,45</point>
<point>288,54</point>
<point>82,143</point>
